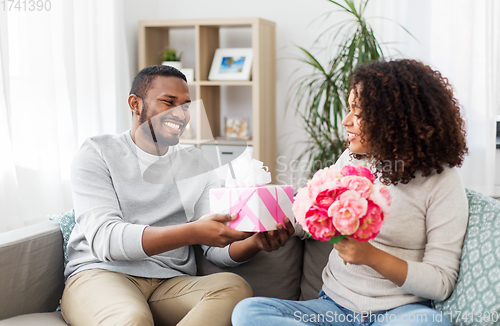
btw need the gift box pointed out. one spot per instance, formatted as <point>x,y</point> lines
<point>259,208</point>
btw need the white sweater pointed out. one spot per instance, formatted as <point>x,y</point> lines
<point>426,227</point>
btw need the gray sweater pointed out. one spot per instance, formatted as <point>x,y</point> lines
<point>118,190</point>
<point>426,227</point>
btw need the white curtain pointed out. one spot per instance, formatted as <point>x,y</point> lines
<point>460,38</point>
<point>64,76</point>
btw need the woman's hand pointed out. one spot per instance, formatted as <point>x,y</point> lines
<point>364,253</point>
<point>355,252</point>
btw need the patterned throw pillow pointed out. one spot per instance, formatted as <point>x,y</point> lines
<point>67,223</point>
<point>476,298</point>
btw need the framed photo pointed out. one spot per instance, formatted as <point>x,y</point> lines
<point>231,64</point>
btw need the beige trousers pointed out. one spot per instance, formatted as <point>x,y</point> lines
<point>100,297</point>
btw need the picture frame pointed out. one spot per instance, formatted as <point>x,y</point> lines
<point>231,64</point>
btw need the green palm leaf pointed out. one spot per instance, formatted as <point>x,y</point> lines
<point>323,93</point>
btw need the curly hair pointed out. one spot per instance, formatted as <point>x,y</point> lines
<point>408,115</point>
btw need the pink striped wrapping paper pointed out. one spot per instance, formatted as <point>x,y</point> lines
<point>258,208</point>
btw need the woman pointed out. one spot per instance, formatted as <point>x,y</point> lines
<point>405,123</point>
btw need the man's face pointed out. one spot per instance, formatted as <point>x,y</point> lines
<point>164,111</point>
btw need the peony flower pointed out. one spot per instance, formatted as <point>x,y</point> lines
<point>347,210</point>
<point>327,197</point>
<point>358,171</point>
<point>301,205</point>
<point>385,193</point>
<point>342,203</point>
<point>323,179</point>
<point>370,224</point>
<point>320,224</point>
<point>360,184</point>
<point>381,197</point>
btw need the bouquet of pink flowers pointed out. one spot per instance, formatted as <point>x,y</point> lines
<point>337,203</point>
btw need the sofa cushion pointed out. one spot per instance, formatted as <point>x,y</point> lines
<point>316,255</point>
<point>274,274</point>
<point>476,298</point>
<point>66,223</point>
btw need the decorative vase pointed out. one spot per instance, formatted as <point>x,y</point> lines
<point>189,73</point>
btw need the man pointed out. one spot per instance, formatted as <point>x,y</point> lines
<point>139,201</point>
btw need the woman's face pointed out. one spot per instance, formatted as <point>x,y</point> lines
<point>352,125</point>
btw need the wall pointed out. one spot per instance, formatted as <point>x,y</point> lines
<point>134,11</point>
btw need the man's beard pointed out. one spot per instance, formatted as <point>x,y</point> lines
<point>143,117</point>
<point>157,137</point>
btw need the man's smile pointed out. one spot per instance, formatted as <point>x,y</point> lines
<point>173,126</point>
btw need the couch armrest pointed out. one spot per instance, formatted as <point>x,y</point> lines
<point>31,269</point>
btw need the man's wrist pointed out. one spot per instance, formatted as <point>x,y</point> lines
<point>191,232</point>
<point>244,250</point>
<point>159,239</point>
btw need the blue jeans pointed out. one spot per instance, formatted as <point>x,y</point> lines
<point>324,311</point>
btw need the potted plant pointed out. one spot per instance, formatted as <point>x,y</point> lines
<point>324,92</point>
<point>171,57</point>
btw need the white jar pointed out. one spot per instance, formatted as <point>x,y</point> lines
<point>175,64</point>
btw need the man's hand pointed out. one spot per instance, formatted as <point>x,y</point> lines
<point>267,241</point>
<point>273,240</point>
<point>210,230</point>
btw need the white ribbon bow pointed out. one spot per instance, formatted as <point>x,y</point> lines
<point>247,173</point>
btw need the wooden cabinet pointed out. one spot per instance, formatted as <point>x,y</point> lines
<point>155,35</point>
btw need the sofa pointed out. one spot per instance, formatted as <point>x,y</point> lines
<point>32,263</point>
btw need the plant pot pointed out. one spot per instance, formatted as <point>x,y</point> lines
<point>189,73</point>
<point>175,64</point>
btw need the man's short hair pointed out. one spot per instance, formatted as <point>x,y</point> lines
<point>142,82</point>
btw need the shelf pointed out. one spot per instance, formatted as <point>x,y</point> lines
<point>222,22</point>
<point>256,100</point>
<point>248,142</point>
<point>221,83</point>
